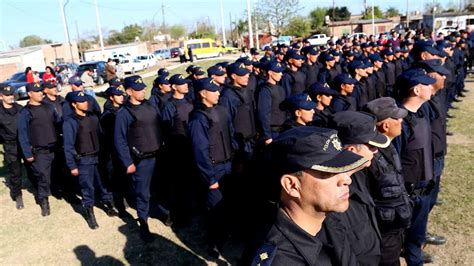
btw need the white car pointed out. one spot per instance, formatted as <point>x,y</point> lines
<point>148,60</point>
<point>318,39</point>
<point>446,30</point>
<point>130,65</point>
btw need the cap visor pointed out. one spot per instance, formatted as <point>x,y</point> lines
<point>345,161</point>
<point>380,141</point>
<point>399,113</point>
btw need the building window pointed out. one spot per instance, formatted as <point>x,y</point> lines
<point>449,23</point>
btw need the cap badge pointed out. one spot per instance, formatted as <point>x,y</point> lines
<point>139,80</point>
<point>7,88</point>
<point>37,85</point>
<point>80,94</point>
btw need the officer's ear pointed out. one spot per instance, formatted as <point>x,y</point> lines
<point>291,185</point>
<point>202,93</point>
<point>129,91</point>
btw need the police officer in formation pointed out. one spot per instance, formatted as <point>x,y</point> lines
<point>373,110</point>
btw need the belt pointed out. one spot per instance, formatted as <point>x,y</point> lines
<point>43,149</point>
<point>9,141</point>
<point>277,129</point>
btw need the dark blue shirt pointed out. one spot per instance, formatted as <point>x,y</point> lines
<point>70,127</point>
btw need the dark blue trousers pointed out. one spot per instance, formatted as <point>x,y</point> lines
<point>438,165</point>
<point>141,181</point>
<point>415,235</point>
<point>40,173</point>
<point>89,181</point>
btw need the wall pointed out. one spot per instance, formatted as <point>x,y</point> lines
<point>61,52</point>
<point>134,50</point>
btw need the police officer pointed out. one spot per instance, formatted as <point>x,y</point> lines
<point>322,95</point>
<point>51,96</point>
<point>357,69</point>
<point>380,80</point>
<point>211,133</point>
<point>415,148</point>
<point>81,148</point>
<point>309,157</point>
<point>77,85</point>
<point>301,110</point>
<point>386,182</point>
<point>178,150</point>
<point>268,54</point>
<point>389,70</point>
<point>344,84</point>
<point>217,74</point>
<point>328,73</point>
<point>163,72</point>
<point>311,65</point>
<point>358,134</point>
<point>9,111</point>
<point>37,137</point>
<point>294,79</point>
<point>118,183</point>
<point>270,96</point>
<point>160,93</point>
<point>137,138</point>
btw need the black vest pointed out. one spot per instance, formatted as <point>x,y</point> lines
<point>299,81</point>
<point>387,187</point>
<point>417,158</point>
<point>220,139</point>
<point>144,133</point>
<point>244,120</point>
<point>312,72</point>
<point>278,116</point>
<point>57,104</point>
<point>41,130</point>
<point>180,120</point>
<point>389,69</point>
<point>438,125</point>
<point>381,83</point>
<point>87,137</point>
<point>8,122</point>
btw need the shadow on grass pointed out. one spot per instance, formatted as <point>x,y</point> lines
<point>87,257</point>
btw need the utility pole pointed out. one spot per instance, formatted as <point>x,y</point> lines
<point>66,30</point>
<point>408,15</point>
<point>78,42</point>
<point>249,18</point>
<point>333,15</point>
<point>163,14</point>
<point>231,30</point>
<point>99,28</point>
<point>373,19</point>
<point>257,39</point>
<point>224,42</point>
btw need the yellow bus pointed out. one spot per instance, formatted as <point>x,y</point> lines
<point>203,48</point>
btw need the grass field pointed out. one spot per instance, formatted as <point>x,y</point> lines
<point>64,238</point>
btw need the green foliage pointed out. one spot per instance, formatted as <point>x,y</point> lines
<point>127,35</point>
<point>377,13</point>
<point>338,13</point>
<point>203,31</point>
<point>32,40</point>
<point>177,31</point>
<point>317,19</point>
<point>392,12</point>
<point>298,26</point>
<point>278,12</point>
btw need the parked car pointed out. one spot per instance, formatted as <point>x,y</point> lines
<point>163,53</point>
<point>357,35</point>
<point>230,49</point>
<point>18,82</point>
<point>174,52</point>
<point>99,76</point>
<point>318,39</point>
<point>148,60</point>
<point>130,65</point>
<point>203,48</point>
<point>446,30</point>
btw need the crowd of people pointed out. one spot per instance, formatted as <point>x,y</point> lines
<point>328,155</point>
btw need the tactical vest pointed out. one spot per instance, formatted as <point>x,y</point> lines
<point>87,137</point>
<point>381,87</point>
<point>389,69</point>
<point>278,116</point>
<point>8,122</point>
<point>312,72</point>
<point>438,126</point>
<point>417,158</point>
<point>41,130</point>
<point>220,139</point>
<point>387,187</point>
<point>144,133</point>
<point>244,120</point>
<point>299,81</point>
<point>180,120</point>
<point>162,97</point>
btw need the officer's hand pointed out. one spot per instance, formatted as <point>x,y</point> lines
<point>214,186</point>
<point>30,159</point>
<point>75,172</point>
<point>131,169</point>
<point>268,141</point>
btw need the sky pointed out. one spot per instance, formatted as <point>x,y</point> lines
<point>19,18</point>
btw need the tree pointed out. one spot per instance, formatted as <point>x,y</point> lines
<point>203,30</point>
<point>392,12</point>
<point>31,40</point>
<point>317,17</point>
<point>298,26</point>
<point>377,13</point>
<point>279,12</point>
<point>127,35</point>
<point>177,31</point>
<point>338,13</point>
<point>429,7</point>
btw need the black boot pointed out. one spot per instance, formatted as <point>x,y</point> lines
<point>110,209</point>
<point>19,202</point>
<point>44,203</point>
<point>145,233</point>
<point>90,218</point>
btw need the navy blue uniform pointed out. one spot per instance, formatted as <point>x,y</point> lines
<point>137,138</point>
<point>270,115</point>
<point>37,138</point>
<point>8,137</point>
<point>81,148</point>
<point>158,99</point>
<point>94,107</point>
<point>293,81</point>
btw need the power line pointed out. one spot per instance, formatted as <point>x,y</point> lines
<point>116,8</point>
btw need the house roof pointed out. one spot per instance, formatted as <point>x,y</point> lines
<point>20,51</point>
